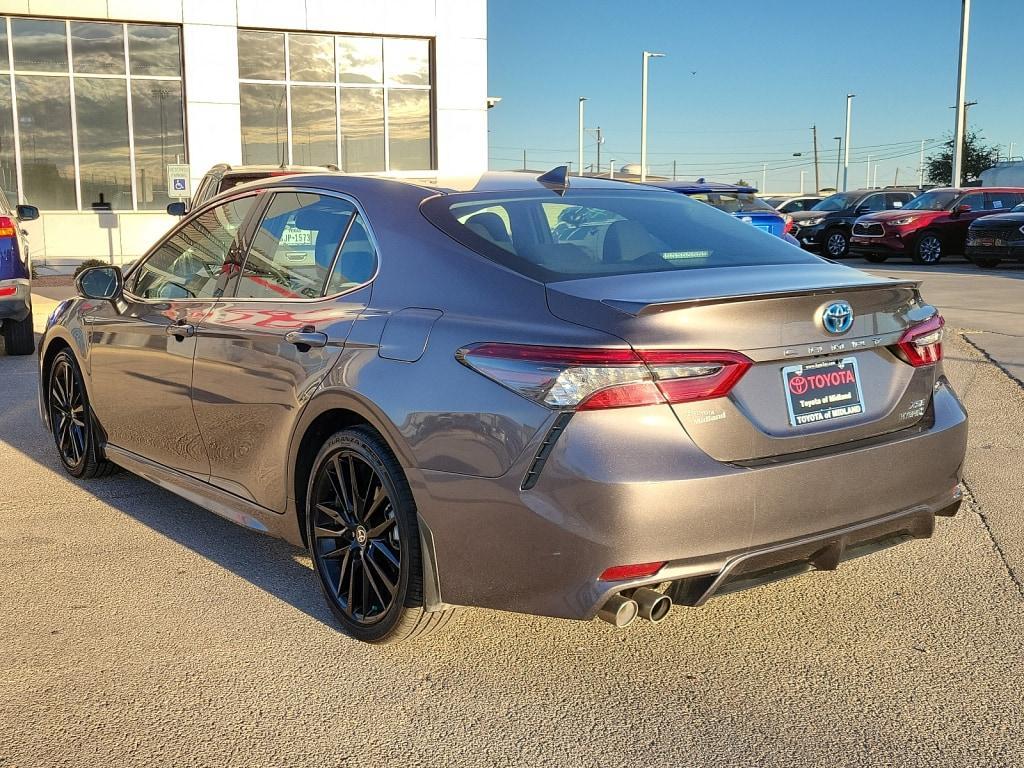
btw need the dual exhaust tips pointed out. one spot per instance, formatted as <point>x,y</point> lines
<point>620,610</point>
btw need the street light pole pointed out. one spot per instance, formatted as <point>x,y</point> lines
<point>920,171</point>
<point>817,180</point>
<point>764,178</point>
<point>839,156</point>
<point>643,114</point>
<point>579,171</point>
<point>846,157</point>
<point>867,180</point>
<point>961,87</point>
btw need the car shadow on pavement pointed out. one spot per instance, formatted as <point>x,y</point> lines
<point>270,564</point>
<point>1012,270</point>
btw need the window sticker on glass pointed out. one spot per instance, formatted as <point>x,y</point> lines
<point>897,203</point>
<point>997,203</point>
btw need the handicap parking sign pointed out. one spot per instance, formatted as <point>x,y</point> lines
<point>178,180</point>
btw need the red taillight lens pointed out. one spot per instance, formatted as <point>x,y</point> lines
<point>591,379</point>
<point>789,224</point>
<point>8,290</point>
<point>922,344</point>
<point>6,227</point>
<point>635,571</point>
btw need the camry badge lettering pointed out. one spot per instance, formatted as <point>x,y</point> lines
<point>836,318</point>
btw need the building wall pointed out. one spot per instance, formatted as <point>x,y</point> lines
<point>58,241</point>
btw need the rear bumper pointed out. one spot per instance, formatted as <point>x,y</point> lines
<point>17,305</point>
<point>599,503</point>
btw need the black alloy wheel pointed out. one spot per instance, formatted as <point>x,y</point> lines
<point>71,420</point>
<point>837,244</point>
<point>363,537</point>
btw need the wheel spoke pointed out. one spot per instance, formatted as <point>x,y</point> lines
<point>391,588</point>
<point>351,586</point>
<point>341,572</point>
<point>375,533</point>
<point>357,501</point>
<point>365,589</point>
<point>368,572</point>
<point>338,484</point>
<point>327,533</point>
<point>333,514</point>
<point>385,550</point>
<point>379,498</point>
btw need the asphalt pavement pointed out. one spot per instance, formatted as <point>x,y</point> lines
<point>141,630</point>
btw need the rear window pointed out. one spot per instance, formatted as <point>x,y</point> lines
<point>733,202</point>
<point>587,234</point>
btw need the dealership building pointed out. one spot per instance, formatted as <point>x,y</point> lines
<point>99,97</point>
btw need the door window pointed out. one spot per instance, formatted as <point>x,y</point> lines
<point>199,259</point>
<point>1001,201</point>
<point>295,246</point>
<point>976,200</point>
<point>873,203</point>
<point>897,199</point>
<point>357,260</point>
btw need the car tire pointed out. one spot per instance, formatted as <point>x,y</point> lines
<point>19,336</point>
<point>927,249</point>
<point>72,423</point>
<point>835,244</point>
<point>987,262</point>
<point>876,258</point>
<point>371,571</point>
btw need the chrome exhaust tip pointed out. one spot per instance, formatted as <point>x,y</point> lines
<point>651,604</point>
<point>619,611</point>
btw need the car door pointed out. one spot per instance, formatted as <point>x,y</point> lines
<point>954,226</point>
<point>141,348</point>
<point>262,352</point>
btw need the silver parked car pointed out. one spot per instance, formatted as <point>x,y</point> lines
<point>452,396</point>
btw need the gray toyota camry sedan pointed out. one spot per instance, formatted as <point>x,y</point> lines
<point>559,396</point>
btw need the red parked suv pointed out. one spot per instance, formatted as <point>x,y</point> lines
<point>931,225</point>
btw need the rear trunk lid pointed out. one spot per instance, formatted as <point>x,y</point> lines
<point>773,315</point>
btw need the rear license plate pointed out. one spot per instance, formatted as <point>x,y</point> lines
<point>821,391</point>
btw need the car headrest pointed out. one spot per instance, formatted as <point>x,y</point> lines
<point>560,257</point>
<point>490,226</point>
<point>626,241</point>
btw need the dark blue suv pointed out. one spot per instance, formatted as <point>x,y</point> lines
<point>741,202</point>
<point>15,279</point>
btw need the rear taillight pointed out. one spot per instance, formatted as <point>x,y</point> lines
<point>921,344</point>
<point>635,571</point>
<point>583,379</point>
<point>789,224</point>
<point>8,290</point>
<point>6,227</point>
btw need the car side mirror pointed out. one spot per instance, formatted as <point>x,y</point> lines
<point>861,210</point>
<point>103,283</point>
<point>176,209</point>
<point>962,209</point>
<point>27,212</point>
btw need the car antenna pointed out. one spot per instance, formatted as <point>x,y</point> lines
<point>557,179</point>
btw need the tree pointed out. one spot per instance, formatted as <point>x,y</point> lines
<point>978,157</point>
<point>743,183</point>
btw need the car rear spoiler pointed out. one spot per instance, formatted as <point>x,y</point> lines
<point>638,309</point>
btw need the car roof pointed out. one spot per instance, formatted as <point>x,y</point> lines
<point>695,187</point>
<point>491,181</point>
<point>230,170</point>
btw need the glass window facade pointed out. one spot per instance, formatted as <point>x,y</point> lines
<point>361,103</point>
<point>91,111</point>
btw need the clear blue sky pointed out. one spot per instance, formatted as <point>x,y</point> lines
<point>765,72</point>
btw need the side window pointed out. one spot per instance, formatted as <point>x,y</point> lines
<point>976,200</point>
<point>197,261</point>
<point>357,260</point>
<point>1000,201</point>
<point>294,248</point>
<point>873,203</point>
<point>897,200</point>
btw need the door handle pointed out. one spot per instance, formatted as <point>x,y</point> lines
<point>181,331</point>
<point>306,339</point>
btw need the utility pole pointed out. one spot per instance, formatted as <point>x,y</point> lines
<point>846,157</point>
<point>524,159</point>
<point>580,166</point>
<point>1009,151</point>
<point>874,177</point>
<point>802,174</point>
<point>839,156</point>
<point>896,178</point>
<point>611,168</point>
<point>963,133</point>
<point>867,180</point>
<point>817,179</point>
<point>643,114</point>
<point>764,178</point>
<point>920,172</point>
<point>600,141</point>
<point>673,170</point>
<point>961,88</point>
